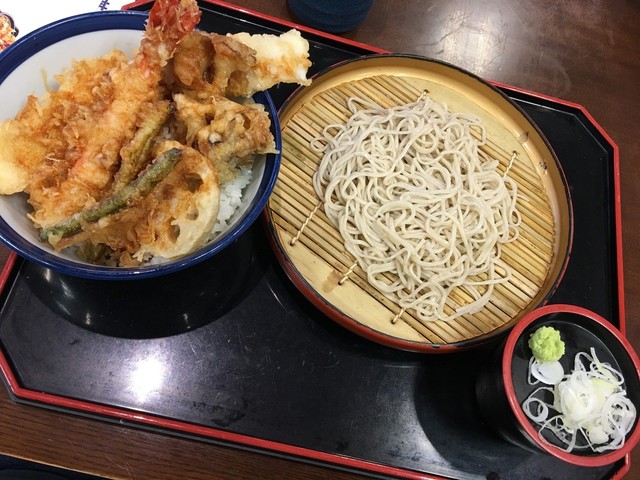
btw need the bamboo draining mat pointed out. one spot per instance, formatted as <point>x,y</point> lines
<point>315,248</point>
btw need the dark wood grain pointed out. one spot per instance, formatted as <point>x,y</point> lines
<point>585,52</point>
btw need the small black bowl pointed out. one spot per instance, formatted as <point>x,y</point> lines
<point>502,386</point>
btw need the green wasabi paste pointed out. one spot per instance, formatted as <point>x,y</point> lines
<point>546,344</point>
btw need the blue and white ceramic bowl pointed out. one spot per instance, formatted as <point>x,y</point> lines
<point>28,66</point>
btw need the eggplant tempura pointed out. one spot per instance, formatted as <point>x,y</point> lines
<point>128,158</point>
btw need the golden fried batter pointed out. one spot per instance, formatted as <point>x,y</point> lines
<point>96,110</point>
<point>226,132</point>
<point>172,220</point>
<point>205,63</point>
<point>83,152</point>
<point>239,65</point>
<point>46,138</point>
<point>182,210</point>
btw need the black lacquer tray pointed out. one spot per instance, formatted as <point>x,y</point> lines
<point>230,352</point>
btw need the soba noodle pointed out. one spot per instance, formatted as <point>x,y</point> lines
<point>421,208</point>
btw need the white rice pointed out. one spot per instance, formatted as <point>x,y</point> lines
<point>231,199</point>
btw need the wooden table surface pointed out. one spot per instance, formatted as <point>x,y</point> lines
<point>582,51</point>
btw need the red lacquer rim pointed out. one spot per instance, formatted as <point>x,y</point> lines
<point>507,355</point>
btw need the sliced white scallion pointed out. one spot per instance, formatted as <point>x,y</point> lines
<point>549,373</point>
<point>590,408</point>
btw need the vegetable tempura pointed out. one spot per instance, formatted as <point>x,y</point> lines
<point>128,159</point>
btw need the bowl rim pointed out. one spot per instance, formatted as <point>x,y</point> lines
<point>523,420</point>
<point>59,30</point>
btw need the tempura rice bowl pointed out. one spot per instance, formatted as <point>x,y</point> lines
<point>28,67</point>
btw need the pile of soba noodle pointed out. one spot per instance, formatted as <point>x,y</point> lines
<point>422,209</point>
